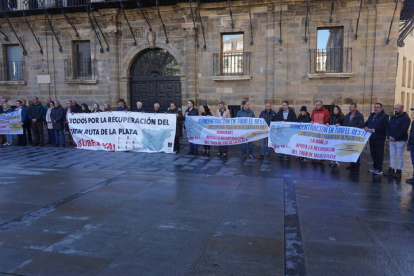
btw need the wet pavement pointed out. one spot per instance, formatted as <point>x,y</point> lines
<point>65,211</point>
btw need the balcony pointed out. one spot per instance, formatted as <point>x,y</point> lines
<point>231,66</point>
<point>12,72</point>
<point>80,71</point>
<point>330,63</point>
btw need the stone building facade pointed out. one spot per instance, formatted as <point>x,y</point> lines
<point>404,85</point>
<point>279,41</point>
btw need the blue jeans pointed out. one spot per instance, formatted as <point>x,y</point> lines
<point>250,148</point>
<point>62,137</point>
<point>193,148</point>
<point>51,134</point>
<point>264,149</point>
<point>9,138</point>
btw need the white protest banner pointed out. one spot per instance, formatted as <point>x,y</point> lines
<point>217,131</point>
<point>10,123</point>
<point>124,131</point>
<point>318,141</point>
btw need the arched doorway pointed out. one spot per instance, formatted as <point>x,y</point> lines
<point>155,79</point>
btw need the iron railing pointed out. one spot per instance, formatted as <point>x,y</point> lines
<point>330,60</point>
<point>12,71</point>
<point>80,69</point>
<point>231,64</point>
<point>18,5</point>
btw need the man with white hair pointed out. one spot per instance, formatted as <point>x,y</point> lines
<point>397,134</point>
<point>139,107</point>
<point>157,108</point>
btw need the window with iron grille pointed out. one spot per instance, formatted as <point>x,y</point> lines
<point>81,66</point>
<point>12,68</point>
<point>232,60</point>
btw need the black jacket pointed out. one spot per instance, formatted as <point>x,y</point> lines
<point>357,121</point>
<point>268,116</point>
<point>398,127</point>
<point>411,139</point>
<point>180,118</point>
<point>304,119</point>
<point>379,123</point>
<point>139,110</point>
<point>291,116</point>
<point>76,108</point>
<point>36,112</point>
<point>58,115</point>
<point>193,112</point>
<point>336,119</point>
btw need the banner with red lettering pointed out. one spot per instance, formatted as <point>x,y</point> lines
<point>318,141</point>
<point>217,131</point>
<point>124,131</point>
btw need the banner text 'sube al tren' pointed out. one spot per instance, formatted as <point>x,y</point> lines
<point>124,131</point>
<point>318,141</point>
<point>217,131</point>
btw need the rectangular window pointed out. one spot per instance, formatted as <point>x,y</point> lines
<point>410,65</point>
<point>82,63</point>
<point>404,71</point>
<point>233,60</point>
<point>13,62</point>
<point>329,50</point>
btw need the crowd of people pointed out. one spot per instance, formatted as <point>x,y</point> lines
<point>379,124</point>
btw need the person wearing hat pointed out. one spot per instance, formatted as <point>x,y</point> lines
<point>304,116</point>
<point>354,119</point>
<point>122,105</point>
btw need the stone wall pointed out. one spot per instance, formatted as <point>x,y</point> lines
<point>278,71</point>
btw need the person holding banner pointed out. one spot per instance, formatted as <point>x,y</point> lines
<point>157,108</point>
<point>9,138</point>
<point>139,108</point>
<point>107,108</point>
<point>320,115</point>
<point>377,124</point>
<point>36,115</point>
<point>205,111</point>
<point>180,118</point>
<point>269,115</point>
<point>246,112</point>
<point>191,111</point>
<point>336,119</point>
<point>354,119</point>
<point>397,134</point>
<point>285,114</point>
<point>223,113</point>
<point>122,106</point>
<point>304,117</point>
<point>95,108</point>
<point>21,139</point>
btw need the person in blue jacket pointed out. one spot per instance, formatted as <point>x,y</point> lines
<point>246,112</point>
<point>191,111</point>
<point>21,138</point>
<point>377,124</point>
<point>397,134</point>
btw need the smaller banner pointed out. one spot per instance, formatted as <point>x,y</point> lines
<point>217,131</point>
<point>318,141</point>
<point>10,123</point>
<point>124,131</point>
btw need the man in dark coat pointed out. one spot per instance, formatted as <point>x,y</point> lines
<point>397,134</point>
<point>410,148</point>
<point>286,113</point>
<point>269,115</point>
<point>192,111</point>
<point>36,115</point>
<point>180,118</point>
<point>354,119</point>
<point>377,124</point>
<point>57,115</point>
<point>122,106</point>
